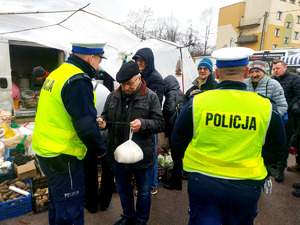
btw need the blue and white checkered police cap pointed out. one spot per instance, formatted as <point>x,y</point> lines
<point>89,48</point>
<point>232,57</point>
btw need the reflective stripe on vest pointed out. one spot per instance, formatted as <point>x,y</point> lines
<point>229,132</point>
<point>54,133</point>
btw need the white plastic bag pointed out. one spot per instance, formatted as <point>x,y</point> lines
<point>128,152</point>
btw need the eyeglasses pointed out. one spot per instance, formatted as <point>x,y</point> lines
<point>203,68</point>
<point>129,83</point>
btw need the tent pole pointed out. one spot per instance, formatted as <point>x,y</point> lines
<point>182,70</point>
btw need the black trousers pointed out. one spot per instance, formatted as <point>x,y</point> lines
<point>175,179</point>
<point>107,187</point>
<point>90,181</point>
<point>93,196</point>
<point>289,128</point>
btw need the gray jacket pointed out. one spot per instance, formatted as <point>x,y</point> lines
<point>267,87</point>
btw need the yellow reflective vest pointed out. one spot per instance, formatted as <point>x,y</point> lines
<point>54,133</point>
<point>229,131</point>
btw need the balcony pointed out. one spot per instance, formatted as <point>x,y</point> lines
<point>247,39</point>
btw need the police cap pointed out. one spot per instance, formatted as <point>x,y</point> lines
<point>232,57</point>
<point>89,48</point>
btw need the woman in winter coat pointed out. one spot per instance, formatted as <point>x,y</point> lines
<point>174,102</point>
<point>205,81</point>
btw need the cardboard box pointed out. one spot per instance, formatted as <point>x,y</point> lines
<point>26,171</point>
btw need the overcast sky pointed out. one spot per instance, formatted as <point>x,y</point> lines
<point>185,11</point>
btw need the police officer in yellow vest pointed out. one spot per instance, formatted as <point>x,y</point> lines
<point>65,129</point>
<point>227,136</point>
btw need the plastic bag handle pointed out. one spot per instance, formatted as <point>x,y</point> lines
<point>130,134</point>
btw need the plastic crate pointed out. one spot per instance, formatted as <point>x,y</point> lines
<point>19,207</point>
<point>7,174</point>
<point>40,203</point>
<point>161,172</point>
<point>164,173</point>
<point>7,154</point>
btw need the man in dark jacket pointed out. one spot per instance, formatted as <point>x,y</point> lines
<point>225,156</point>
<point>145,59</point>
<point>132,106</point>
<point>290,83</point>
<point>205,81</point>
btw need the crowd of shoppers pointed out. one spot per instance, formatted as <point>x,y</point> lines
<point>239,110</point>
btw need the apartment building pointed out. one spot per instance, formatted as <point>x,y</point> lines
<point>260,25</point>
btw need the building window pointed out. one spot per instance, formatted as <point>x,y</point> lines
<point>279,15</point>
<point>298,19</point>
<point>283,0</point>
<point>296,35</point>
<point>288,24</point>
<point>275,46</point>
<point>277,32</point>
<point>292,1</point>
<point>231,42</point>
<point>298,2</point>
<point>286,40</point>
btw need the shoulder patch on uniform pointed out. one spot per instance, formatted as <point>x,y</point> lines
<point>79,76</point>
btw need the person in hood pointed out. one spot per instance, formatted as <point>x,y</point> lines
<point>154,81</point>
<point>174,101</point>
<point>145,59</point>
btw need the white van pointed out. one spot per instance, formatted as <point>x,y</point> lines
<point>17,60</point>
<point>6,100</point>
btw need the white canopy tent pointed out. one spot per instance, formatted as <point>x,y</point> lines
<point>58,23</point>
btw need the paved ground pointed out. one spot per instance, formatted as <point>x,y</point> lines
<point>170,207</point>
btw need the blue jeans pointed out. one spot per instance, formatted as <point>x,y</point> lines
<point>66,190</point>
<point>218,201</point>
<point>123,175</point>
<point>154,178</point>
